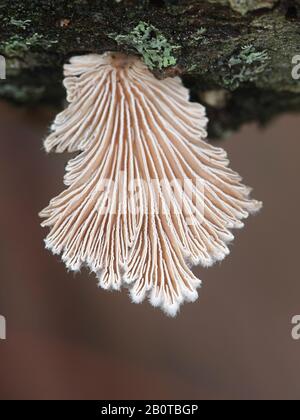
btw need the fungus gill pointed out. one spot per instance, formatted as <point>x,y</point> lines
<point>146,197</point>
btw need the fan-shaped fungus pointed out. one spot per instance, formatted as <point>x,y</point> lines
<point>146,196</point>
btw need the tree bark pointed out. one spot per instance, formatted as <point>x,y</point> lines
<point>236,56</point>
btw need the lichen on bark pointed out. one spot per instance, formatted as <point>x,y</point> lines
<point>245,6</point>
<point>244,48</point>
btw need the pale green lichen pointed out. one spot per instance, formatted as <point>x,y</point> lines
<point>245,66</point>
<point>17,46</point>
<point>197,36</point>
<point>156,50</point>
<point>23,24</point>
<point>245,6</point>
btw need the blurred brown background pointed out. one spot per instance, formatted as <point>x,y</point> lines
<point>67,339</point>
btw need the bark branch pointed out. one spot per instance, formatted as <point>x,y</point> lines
<point>235,55</point>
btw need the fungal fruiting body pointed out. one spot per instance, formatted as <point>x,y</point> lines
<point>146,197</point>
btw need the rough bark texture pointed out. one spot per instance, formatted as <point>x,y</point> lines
<point>236,55</point>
